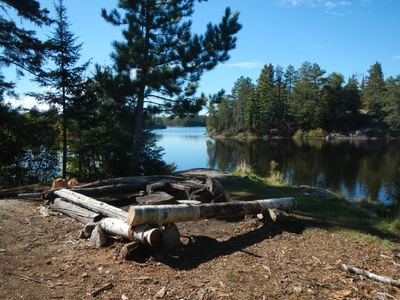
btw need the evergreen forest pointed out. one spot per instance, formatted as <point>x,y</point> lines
<point>286,102</point>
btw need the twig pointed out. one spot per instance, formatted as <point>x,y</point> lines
<point>103,288</point>
<point>370,275</point>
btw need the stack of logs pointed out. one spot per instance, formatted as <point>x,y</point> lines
<point>155,204</point>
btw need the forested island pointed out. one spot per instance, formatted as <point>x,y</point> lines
<point>308,103</point>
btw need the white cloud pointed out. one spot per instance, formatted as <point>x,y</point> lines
<point>244,65</point>
<point>365,2</point>
<point>334,7</point>
<point>26,102</point>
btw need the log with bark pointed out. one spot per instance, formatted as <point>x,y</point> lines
<point>37,196</point>
<point>80,214</point>
<point>109,189</point>
<point>156,198</point>
<point>91,204</point>
<point>134,180</point>
<point>164,214</point>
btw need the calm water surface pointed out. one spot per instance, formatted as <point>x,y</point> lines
<point>356,169</point>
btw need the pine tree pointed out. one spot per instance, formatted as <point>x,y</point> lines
<point>20,47</point>
<point>392,102</point>
<point>241,96</point>
<point>163,59</point>
<point>66,73</point>
<point>307,102</point>
<point>265,95</point>
<point>374,90</point>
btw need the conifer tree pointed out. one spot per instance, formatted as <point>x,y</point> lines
<point>163,59</point>
<point>374,90</point>
<point>65,74</point>
<point>241,93</point>
<point>392,102</point>
<point>265,94</point>
<point>20,47</point>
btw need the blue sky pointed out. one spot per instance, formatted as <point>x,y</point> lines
<point>346,36</point>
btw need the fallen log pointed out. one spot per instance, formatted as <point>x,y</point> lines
<point>91,204</point>
<point>144,234</point>
<point>37,196</point>
<point>133,180</point>
<point>80,214</point>
<point>109,189</point>
<point>164,214</point>
<point>186,186</point>
<point>139,180</point>
<point>370,275</point>
<point>156,198</point>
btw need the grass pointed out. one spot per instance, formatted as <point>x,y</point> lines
<point>331,214</point>
<point>275,177</point>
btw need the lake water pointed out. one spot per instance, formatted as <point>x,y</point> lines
<point>356,169</point>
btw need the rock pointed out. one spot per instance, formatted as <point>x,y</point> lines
<point>84,275</point>
<point>98,237</point>
<point>44,212</point>
<point>124,297</point>
<point>86,232</point>
<point>170,237</point>
<point>316,192</point>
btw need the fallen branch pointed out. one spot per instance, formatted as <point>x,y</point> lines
<point>373,276</point>
<point>103,288</point>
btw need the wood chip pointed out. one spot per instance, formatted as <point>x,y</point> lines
<point>161,293</point>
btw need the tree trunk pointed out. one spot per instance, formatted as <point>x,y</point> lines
<point>64,135</point>
<point>164,214</point>
<point>80,214</point>
<point>138,134</point>
<point>92,204</point>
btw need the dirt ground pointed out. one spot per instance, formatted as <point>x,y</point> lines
<point>43,258</point>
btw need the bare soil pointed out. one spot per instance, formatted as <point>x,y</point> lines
<point>43,258</point>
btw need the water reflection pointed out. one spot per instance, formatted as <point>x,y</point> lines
<point>362,169</point>
<point>357,169</point>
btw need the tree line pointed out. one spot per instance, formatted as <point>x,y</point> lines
<point>97,121</point>
<point>286,100</point>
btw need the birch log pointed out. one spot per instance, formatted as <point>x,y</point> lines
<point>165,214</point>
<point>371,275</point>
<point>92,204</point>
<point>80,214</point>
<point>144,233</point>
